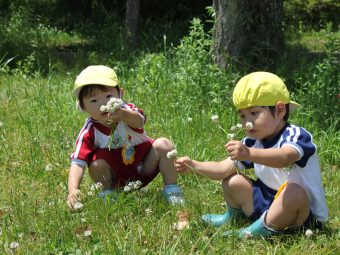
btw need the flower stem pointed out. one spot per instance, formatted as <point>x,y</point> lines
<point>195,171</point>
<point>222,128</point>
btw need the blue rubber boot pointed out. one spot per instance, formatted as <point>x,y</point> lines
<point>107,195</point>
<point>257,229</point>
<point>173,194</point>
<point>217,220</point>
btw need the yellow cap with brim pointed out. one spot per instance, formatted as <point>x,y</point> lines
<point>261,89</point>
<point>97,74</point>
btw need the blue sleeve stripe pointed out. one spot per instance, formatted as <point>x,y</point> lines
<point>303,139</point>
<point>249,143</point>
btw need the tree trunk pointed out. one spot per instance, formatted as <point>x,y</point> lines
<point>132,23</point>
<point>248,33</point>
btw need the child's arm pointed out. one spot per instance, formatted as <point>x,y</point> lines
<point>132,118</point>
<point>211,169</point>
<point>74,178</point>
<point>272,157</point>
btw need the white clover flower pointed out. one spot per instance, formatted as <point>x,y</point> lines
<point>172,154</point>
<point>308,233</point>
<point>90,193</point>
<point>239,125</point>
<point>103,108</point>
<point>148,211</point>
<point>249,125</point>
<point>231,136</point>
<point>51,203</point>
<point>189,119</point>
<point>214,118</point>
<point>127,189</point>
<point>233,129</point>
<point>14,245</point>
<point>48,167</point>
<point>77,206</point>
<point>87,232</point>
<point>138,183</point>
<point>133,186</point>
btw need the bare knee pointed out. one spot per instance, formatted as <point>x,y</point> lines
<point>98,166</point>
<point>236,182</point>
<point>100,171</point>
<point>163,145</point>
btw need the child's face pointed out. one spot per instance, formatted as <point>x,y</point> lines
<point>265,125</point>
<point>96,99</point>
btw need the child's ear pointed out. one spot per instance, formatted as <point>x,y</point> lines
<point>121,93</point>
<point>79,107</point>
<point>280,109</point>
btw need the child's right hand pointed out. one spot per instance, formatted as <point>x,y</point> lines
<point>183,164</point>
<point>72,198</point>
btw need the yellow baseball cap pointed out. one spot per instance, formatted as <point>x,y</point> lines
<point>97,74</point>
<point>261,89</point>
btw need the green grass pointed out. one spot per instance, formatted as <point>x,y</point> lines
<point>39,123</point>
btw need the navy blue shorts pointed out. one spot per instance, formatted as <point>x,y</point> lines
<point>263,197</point>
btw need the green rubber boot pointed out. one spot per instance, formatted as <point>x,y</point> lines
<point>257,229</point>
<point>217,220</point>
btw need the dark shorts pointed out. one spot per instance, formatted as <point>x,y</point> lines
<point>126,169</point>
<point>263,197</point>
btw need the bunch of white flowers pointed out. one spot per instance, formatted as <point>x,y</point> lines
<point>132,186</point>
<point>234,130</point>
<point>112,105</point>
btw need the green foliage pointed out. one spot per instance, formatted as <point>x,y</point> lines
<point>312,13</point>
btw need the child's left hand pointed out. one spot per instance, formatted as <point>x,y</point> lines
<point>237,150</point>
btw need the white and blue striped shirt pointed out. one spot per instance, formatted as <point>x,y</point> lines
<point>305,172</point>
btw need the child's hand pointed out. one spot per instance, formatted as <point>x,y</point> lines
<point>131,118</point>
<point>116,116</point>
<point>72,198</point>
<point>237,150</point>
<point>183,164</point>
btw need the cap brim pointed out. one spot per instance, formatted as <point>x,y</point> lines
<point>293,106</point>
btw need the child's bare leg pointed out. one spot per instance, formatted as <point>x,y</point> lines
<point>157,156</point>
<point>100,171</point>
<point>290,209</point>
<point>237,191</point>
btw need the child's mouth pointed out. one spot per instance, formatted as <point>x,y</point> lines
<point>252,131</point>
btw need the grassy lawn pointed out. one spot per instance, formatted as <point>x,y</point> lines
<point>179,89</point>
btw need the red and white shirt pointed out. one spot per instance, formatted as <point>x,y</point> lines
<point>94,136</point>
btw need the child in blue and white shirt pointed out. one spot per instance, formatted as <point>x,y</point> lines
<point>288,192</point>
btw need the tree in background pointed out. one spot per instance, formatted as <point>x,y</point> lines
<point>132,23</point>
<point>248,32</point>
